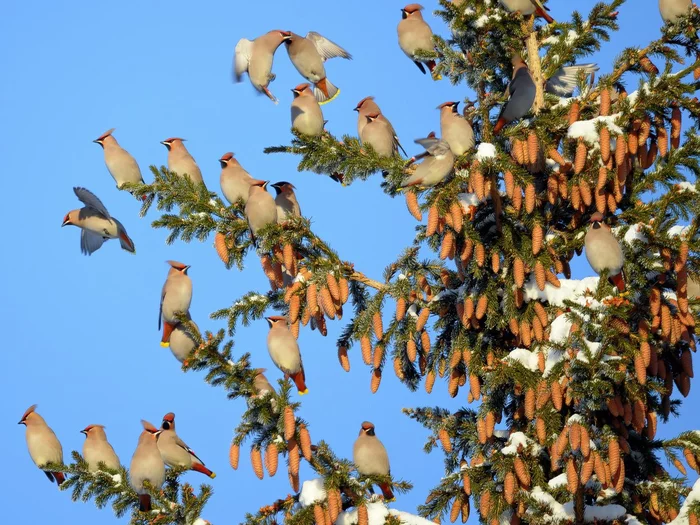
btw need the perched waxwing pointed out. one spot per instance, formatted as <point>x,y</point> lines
<point>175,452</point>
<point>120,164</point>
<point>308,55</point>
<point>260,209</point>
<point>175,298</point>
<point>379,134</point>
<point>286,201</point>
<point>235,181</point>
<point>261,384</point>
<point>527,7</point>
<point>255,57</point>
<point>603,251</point>
<point>96,449</point>
<point>284,351</point>
<point>437,163</point>
<point>565,79</point>
<point>521,94</point>
<point>415,35</point>
<point>370,457</point>
<point>180,161</point>
<point>366,107</point>
<point>307,117</point>
<point>43,445</point>
<point>693,288</point>
<point>146,465</point>
<point>455,129</point>
<point>96,224</point>
<point>671,10</point>
<point>181,342</point>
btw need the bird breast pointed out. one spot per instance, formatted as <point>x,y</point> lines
<point>178,296</point>
<point>603,251</point>
<point>379,135</point>
<point>307,117</point>
<point>43,446</point>
<point>121,165</point>
<point>414,35</point>
<point>235,184</point>
<point>370,457</point>
<point>173,454</point>
<point>260,66</point>
<point>306,60</point>
<point>458,133</point>
<point>284,350</point>
<point>96,223</point>
<point>99,450</point>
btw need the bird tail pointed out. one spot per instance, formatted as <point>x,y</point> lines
<point>126,242</point>
<point>543,14</point>
<point>499,126</point>
<point>204,470</point>
<point>145,502</point>
<point>167,331</point>
<point>300,381</point>
<point>431,66</point>
<point>59,477</point>
<point>386,491</point>
<point>619,281</point>
<point>325,91</point>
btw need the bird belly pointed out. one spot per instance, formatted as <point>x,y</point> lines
<point>123,168</point>
<point>176,300</point>
<point>459,136</point>
<point>416,35</point>
<point>370,461</point>
<point>604,256</point>
<point>260,69</point>
<point>285,354</point>
<point>99,225</point>
<point>44,449</point>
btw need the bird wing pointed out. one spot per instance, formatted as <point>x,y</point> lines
<point>326,48</point>
<point>125,241</point>
<point>90,241</point>
<point>160,309</point>
<point>241,58</point>
<point>434,146</point>
<point>182,444</point>
<point>565,79</point>
<point>91,201</point>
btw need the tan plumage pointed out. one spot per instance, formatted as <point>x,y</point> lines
<point>255,58</point>
<point>146,465</point>
<point>307,117</point>
<point>235,180</point>
<point>181,342</point>
<point>284,351</point>
<point>672,10</point>
<point>286,202</point>
<point>175,452</point>
<point>175,298</point>
<point>370,457</point>
<point>436,166</point>
<point>121,165</point>
<point>366,107</point>
<point>43,445</point>
<point>180,161</point>
<point>260,209</point>
<point>455,129</point>
<point>603,251</point>
<point>415,35</point>
<point>379,134</point>
<point>96,449</point>
<point>527,7</point>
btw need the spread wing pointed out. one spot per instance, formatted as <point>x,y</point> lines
<point>326,48</point>
<point>434,146</point>
<point>241,58</point>
<point>565,79</point>
<point>90,241</point>
<point>91,201</point>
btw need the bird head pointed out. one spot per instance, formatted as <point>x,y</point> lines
<point>450,105</point>
<point>66,220</point>
<point>168,143</point>
<point>367,428</point>
<point>301,88</point>
<point>101,139</point>
<point>362,103</point>
<point>283,187</point>
<point>28,415</point>
<point>226,159</point>
<point>91,429</point>
<point>285,36</point>
<point>148,427</point>
<point>276,320</point>
<point>178,266</point>
<point>168,421</point>
<point>411,10</point>
<point>596,220</point>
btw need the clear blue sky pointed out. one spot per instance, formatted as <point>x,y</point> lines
<point>81,333</point>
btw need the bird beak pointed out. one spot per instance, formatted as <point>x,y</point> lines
<point>265,184</point>
<point>83,432</point>
<point>23,422</point>
<point>357,109</point>
<point>97,141</point>
<point>66,222</point>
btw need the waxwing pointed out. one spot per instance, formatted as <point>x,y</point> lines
<point>174,451</point>
<point>527,7</point>
<point>437,163</point>
<point>603,251</point>
<point>96,224</point>
<point>181,341</point>
<point>366,107</point>
<point>565,79</point>
<point>693,288</point>
<point>180,161</point>
<point>307,117</point>
<point>175,298</point>
<point>286,201</point>
<point>521,94</point>
<point>284,351</point>
<point>255,57</point>
<point>671,10</point>
<point>379,134</point>
<point>308,56</point>
<point>120,164</point>
<point>370,457</point>
<point>260,210</point>
<point>415,35</point>
<point>96,449</point>
<point>146,465</point>
<point>235,181</point>
<point>261,384</point>
<point>43,445</point>
<point>455,129</point>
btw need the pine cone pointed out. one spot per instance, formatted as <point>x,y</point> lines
<point>662,140</point>
<point>530,403</point>
<point>378,356</point>
<point>690,459</point>
<point>412,205</point>
<point>366,347</point>
<point>271,458</point>
<point>447,245</point>
<point>509,182</point>
<point>335,504</point>
<point>319,515</point>
<point>475,386</point>
<point>422,319</point>
<point>221,247</point>
<point>466,510</point>
<point>522,473</point>
<point>293,457</point>
<point>425,341</point>
<point>234,454</point>
<point>326,301</point>
<point>587,470</point>
<point>517,198</point>
<point>433,219</point>
<point>411,350</point>
<point>675,127</point>
<point>485,504</point>
<point>620,150</point>
<point>533,147</point>
<point>605,102</point>
<point>574,111</point>
<point>362,515</point>
<point>344,290</point>
<point>571,476</point>
<point>614,456</point>
<point>289,423</point>
<point>457,216</point>
<point>581,155</point>
<point>541,430</point>
<point>456,509</point>
<point>530,197</point>
<point>477,180</point>
<point>305,442</point>
<point>648,66</point>
<point>256,461</point>
<point>586,193</point>
<point>343,358</point>
<point>429,381</point>
<point>540,276</point>
<point>376,379</point>
<point>557,396</point>
<point>398,367</point>
<point>311,299</point>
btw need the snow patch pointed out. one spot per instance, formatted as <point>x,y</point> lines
<point>569,289</point>
<point>586,129</point>
<point>517,440</point>
<point>524,357</point>
<point>312,491</point>
<point>484,151</point>
<point>467,200</point>
<point>693,496</point>
<point>559,481</point>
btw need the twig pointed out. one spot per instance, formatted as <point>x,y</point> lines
<point>534,64</point>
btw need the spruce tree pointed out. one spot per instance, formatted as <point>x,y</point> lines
<point>576,375</point>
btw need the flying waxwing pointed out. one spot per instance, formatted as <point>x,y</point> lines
<point>260,210</point>
<point>366,107</point>
<point>436,165</point>
<point>284,351</point>
<point>379,134</point>
<point>671,10</point>
<point>307,117</point>
<point>235,181</point>
<point>43,445</point>
<point>565,79</point>
<point>370,457</point>
<point>175,452</point>
<point>174,299</point>
<point>603,251</point>
<point>521,94</point>
<point>527,7</point>
<point>120,164</point>
<point>180,161</point>
<point>181,342</point>
<point>455,129</point>
<point>308,55</point>
<point>96,224</point>
<point>96,449</point>
<point>415,35</point>
<point>255,57</point>
<point>146,465</point>
<point>286,201</point>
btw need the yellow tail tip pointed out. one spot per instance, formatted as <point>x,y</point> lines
<point>330,99</point>
<point>212,475</point>
<point>165,344</point>
<point>301,393</point>
<point>437,77</point>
